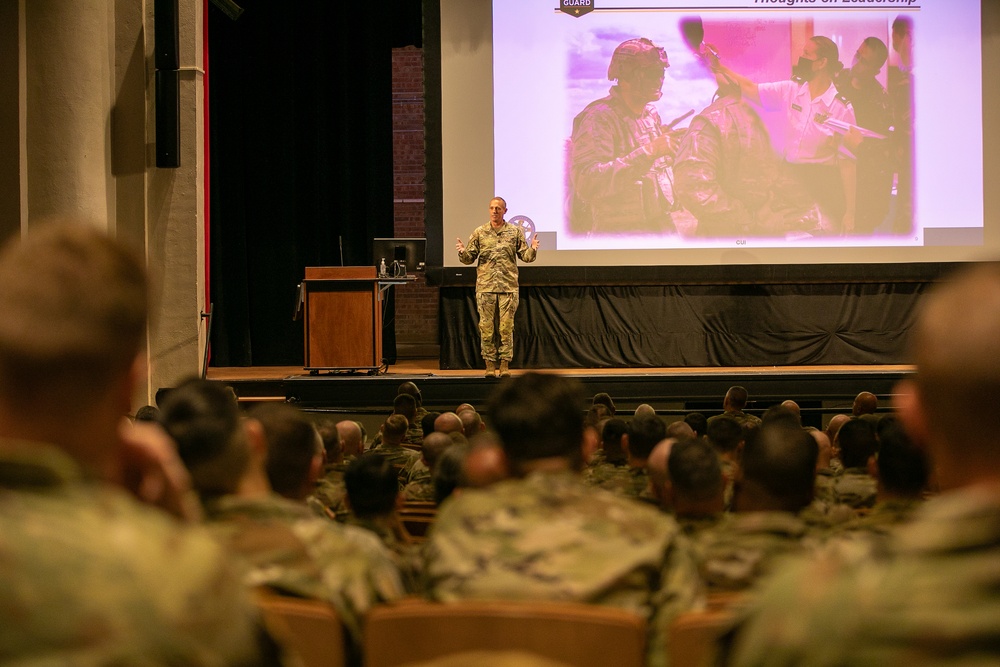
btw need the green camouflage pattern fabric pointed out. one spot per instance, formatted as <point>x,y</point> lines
<point>601,472</point>
<point>497,251</point>
<point>489,305</point>
<point>417,472</point>
<point>693,527</point>
<point>743,547</point>
<point>282,545</point>
<point>91,578</point>
<point>853,487</point>
<point>930,596</point>
<point>549,536</point>
<point>822,516</point>
<point>423,491</point>
<point>884,516</point>
<point>331,492</point>
<point>742,417</point>
<point>401,457</point>
<point>405,554</point>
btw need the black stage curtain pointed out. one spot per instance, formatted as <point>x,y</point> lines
<point>692,325</point>
<point>301,157</point>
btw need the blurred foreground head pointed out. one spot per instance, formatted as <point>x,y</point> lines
<point>955,345</point>
<point>74,305</point>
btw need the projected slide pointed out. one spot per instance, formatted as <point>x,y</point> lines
<point>632,125</point>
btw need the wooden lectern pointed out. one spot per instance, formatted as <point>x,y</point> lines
<point>343,319</point>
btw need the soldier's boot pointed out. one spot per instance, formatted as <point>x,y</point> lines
<point>504,371</point>
<point>491,369</point>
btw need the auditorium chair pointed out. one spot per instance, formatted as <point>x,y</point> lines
<point>574,633</point>
<point>692,636</point>
<point>416,518</point>
<point>309,628</point>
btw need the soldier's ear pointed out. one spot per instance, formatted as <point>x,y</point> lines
<point>625,444</point>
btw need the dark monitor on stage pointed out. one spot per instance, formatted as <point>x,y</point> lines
<point>401,256</point>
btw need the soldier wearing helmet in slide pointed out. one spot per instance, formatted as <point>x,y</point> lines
<point>619,154</point>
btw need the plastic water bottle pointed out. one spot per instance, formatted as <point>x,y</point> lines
<point>382,271</point>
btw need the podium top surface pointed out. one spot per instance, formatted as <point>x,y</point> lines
<point>341,273</point>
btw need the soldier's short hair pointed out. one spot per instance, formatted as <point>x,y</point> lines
<point>604,398</point>
<point>878,49</point>
<point>737,397</point>
<point>411,389</point>
<point>781,460</point>
<point>857,443</point>
<point>644,432</point>
<point>292,444</point>
<point>472,422</point>
<point>695,470</point>
<point>537,415</point>
<point>725,433</point>
<point>74,305</point>
<point>333,446</point>
<point>902,466</point>
<point>449,473</point>
<point>406,405</point>
<point>433,445</point>
<point>203,419</point>
<point>698,422</point>
<point>372,485</point>
<point>394,429</point>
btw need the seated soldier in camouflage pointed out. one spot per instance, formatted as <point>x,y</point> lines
<point>472,423</point>
<point>373,495</point>
<point>774,483</point>
<point>726,436</point>
<point>696,486</point>
<point>644,432</point>
<point>91,575</point>
<point>418,484</point>
<point>606,461</point>
<point>393,433</point>
<point>733,405</point>
<point>280,543</point>
<point>543,534</point>
<point>854,486</point>
<point>931,595</point>
<point>328,497</point>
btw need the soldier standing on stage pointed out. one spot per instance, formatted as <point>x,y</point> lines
<point>497,244</point>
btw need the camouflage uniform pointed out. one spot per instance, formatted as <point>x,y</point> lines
<point>614,185</point>
<point>548,536</point>
<point>930,597</point>
<point>417,472</point>
<point>496,282</point>
<point>282,545</point>
<point>423,491</point>
<point>404,554</point>
<point>854,487</point>
<point>729,177</point>
<point>884,516</point>
<point>743,547</point>
<point>91,577</point>
<point>400,457</point>
<point>331,492</point>
<point>743,418</point>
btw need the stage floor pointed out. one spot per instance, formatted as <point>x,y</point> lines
<point>818,389</point>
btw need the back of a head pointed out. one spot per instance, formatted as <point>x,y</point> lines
<point>472,422</point>
<point>865,403</point>
<point>449,422</point>
<point>596,414</point>
<point>603,398</point>
<point>74,306</point>
<point>411,389</point>
<point>644,432</point>
<point>680,430</point>
<point>781,413</point>
<point>433,446</point>
<point>394,429</point>
<point>351,439</point>
<point>449,473</point>
<point>538,416</point>
<point>725,433</point>
<point>780,462</point>
<point>405,405</point>
<point>955,345</point>
<point>329,434</point>
<point>147,413</point>
<point>292,445</point>
<point>644,409</point>
<point>903,468</point>
<point>428,422</point>
<point>857,443</point>
<point>695,471</point>
<point>834,426</point>
<point>611,439</point>
<point>698,422</point>
<point>372,486</point>
<point>204,421</point>
<point>737,397</point>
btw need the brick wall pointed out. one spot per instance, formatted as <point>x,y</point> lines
<point>416,304</point>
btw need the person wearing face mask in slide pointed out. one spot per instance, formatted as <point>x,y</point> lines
<point>619,155</point>
<point>813,148</point>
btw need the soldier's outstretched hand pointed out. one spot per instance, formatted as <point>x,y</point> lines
<point>459,246</point>
<point>534,242</point>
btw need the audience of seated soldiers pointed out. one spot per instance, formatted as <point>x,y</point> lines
<point>418,484</point>
<point>393,433</point>
<point>854,486</point>
<point>280,543</point>
<point>725,434</point>
<point>734,404</point>
<point>543,534</point>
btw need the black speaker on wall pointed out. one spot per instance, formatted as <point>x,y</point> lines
<point>166,34</point>
<point>168,118</point>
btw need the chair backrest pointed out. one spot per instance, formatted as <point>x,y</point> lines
<point>693,634</point>
<point>572,632</point>
<point>310,628</point>
<point>416,519</point>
